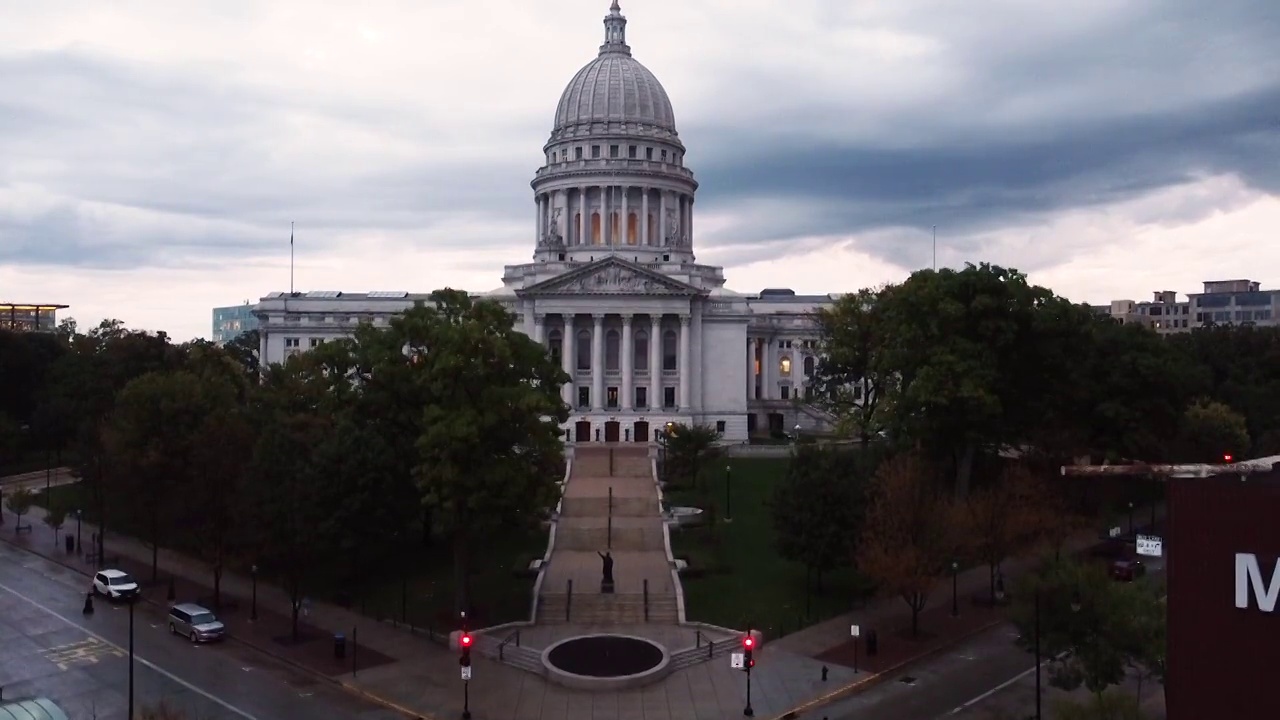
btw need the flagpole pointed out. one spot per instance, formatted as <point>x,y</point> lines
<point>935,247</point>
<point>291,258</point>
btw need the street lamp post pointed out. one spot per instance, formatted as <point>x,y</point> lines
<point>79,517</point>
<point>728,493</point>
<point>253,605</point>
<point>955,589</point>
<point>1130,518</point>
<point>131,602</point>
<point>1037,650</point>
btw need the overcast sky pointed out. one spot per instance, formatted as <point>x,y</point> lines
<point>154,152</point>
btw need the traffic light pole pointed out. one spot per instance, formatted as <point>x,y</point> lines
<point>466,700</point>
<point>747,711</point>
<point>748,656</point>
<point>464,640</point>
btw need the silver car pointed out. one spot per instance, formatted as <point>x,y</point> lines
<point>196,623</point>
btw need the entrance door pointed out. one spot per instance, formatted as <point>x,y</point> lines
<point>582,431</point>
<point>776,423</point>
<point>612,431</point>
<point>640,431</point>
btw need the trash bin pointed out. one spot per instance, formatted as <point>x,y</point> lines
<point>873,642</point>
<point>70,542</point>
<point>339,646</point>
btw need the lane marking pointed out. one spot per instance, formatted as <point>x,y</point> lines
<point>141,661</point>
<point>992,691</point>
<point>88,650</point>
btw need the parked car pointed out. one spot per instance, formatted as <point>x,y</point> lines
<point>196,623</point>
<point>115,585</point>
<point>1127,570</point>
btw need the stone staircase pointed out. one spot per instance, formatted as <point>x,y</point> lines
<point>596,536</point>
<point>593,608</point>
<point>506,650</point>
<point>583,507</point>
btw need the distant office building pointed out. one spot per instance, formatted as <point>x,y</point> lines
<point>29,317</point>
<point>1223,302</point>
<point>230,322</point>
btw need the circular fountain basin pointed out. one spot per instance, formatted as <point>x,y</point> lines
<point>605,662</point>
<point>685,515</point>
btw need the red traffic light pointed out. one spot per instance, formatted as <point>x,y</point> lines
<point>465,640</point>
<point>1227,457</point>
<point>748,642</point>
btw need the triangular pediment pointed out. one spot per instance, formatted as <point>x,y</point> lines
<point>611,276</point>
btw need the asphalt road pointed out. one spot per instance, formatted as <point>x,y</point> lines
<point>49,648</point>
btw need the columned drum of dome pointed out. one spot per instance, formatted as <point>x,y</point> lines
<point>614,181</point>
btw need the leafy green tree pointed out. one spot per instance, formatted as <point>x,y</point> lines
<point>1110,705</point>
<point>688,449</point>
<point>491,449</point>
<point>55,517</point>
<point>244,349</point>
<point>213,504</point>
<point>849,380</point>
<point>1242,366</point>
<point>1002,517</point>
<point>818,510</point>
<point>19,503</point>
<point>1210,429</point>
<point>911,533</point>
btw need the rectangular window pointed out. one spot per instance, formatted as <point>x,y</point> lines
<point>595,151</point>
<point>611,397</point>
<point>786,390</point>
<point>315,342</point>
<point>631,152</point>
<point>584,397</point>
<point>577,153</point>
<point>642,397</point>
<point>648,153</point>
<point>720,426</point>
<point>664,156</point>
<point>292,342</point>
<point>613,151</point>
<point>668,397</point>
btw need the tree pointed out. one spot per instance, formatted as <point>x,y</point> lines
<point>909,538</point>
<point>1210,430</point>
<point>213,507</point>
<point>1002,517</point>
<point>244,349</point>
<point>818,510</point>
<point>490,450</point>
<point>1110,705</point>
<point>10,439</point>
<point>19,503</point>
<point>689,448</point>
<point>55,516</point>
<point>849,380</point>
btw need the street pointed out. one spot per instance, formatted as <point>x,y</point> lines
<point>48,648</point>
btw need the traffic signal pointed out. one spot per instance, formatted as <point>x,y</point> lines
<point>748,646</point>
<point>1227,458</point>
<point>464,642</point>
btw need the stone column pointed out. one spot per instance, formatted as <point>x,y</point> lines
<point>626,225</point>
<point>685,362</point>
<point>766,367</point>
<point>644,215</point>
<point>540,329</point>
<point>537,220</point>
<point>689,232</point>
<point>583,226</point>
<point>597,363</point>
<point>751,369</point>
<point>655,361</point>
<point>627,350</point>
<point>569,360</point>
<point>662,218</point>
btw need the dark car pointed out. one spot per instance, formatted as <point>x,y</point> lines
<point>1127,570</point>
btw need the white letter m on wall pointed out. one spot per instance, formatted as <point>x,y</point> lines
<point>1249,574</point>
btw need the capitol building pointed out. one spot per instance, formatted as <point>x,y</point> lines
<point>614,290</point>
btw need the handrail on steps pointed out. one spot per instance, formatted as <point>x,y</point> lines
<point>502,645</point>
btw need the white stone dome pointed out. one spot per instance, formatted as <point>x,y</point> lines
<point>614,88</point>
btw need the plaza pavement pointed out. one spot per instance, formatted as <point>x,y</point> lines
<point>422,680</point>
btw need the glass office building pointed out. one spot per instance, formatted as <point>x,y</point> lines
<point>230,322</point>
<point>29,317</point>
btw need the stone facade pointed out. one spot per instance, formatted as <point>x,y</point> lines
<point>648,335</point>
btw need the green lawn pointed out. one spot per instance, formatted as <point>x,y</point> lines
<point>736,577</point>
<point>501,588</point>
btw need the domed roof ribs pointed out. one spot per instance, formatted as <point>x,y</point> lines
<point>615,32</point>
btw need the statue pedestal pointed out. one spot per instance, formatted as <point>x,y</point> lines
<point>606,587</point>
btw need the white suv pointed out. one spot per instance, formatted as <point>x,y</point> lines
<point>115,585</point>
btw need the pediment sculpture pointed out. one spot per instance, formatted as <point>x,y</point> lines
<point>613,280</point>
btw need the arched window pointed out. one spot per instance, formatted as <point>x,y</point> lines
<point>554,343</point>
<point>633,229</point>
<point>809,365</point>
<point>669,344</point>
<point>611,342</point>
<point>583,347</point>
<point>595,229</point>
<point>641,351</point>
<point>784,366</point>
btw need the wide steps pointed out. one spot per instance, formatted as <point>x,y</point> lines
<point>595,506</point>
<point>510,654</point>
<point>597,538</point>
<point>706,652</point>
<point>598,609</point>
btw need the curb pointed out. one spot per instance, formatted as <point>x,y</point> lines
<point>871,681</point>
<point>337,682</point>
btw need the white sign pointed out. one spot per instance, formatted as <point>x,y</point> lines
<point>466,673</point>
<point>1249,577</point>
<point>736,661</point>
<point>1115,531</point>
<point>854,631</point>
<point>1150,545</point>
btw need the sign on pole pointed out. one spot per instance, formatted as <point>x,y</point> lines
<point>735,661</point>
<point>1115,532</point>
<point>854,631</point>
<point>466,673</point>
<point>1150,545</point>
